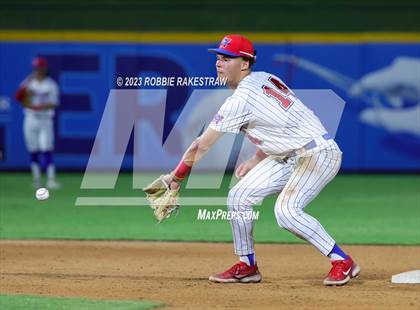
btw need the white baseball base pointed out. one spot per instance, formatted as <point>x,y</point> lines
<point>411,277</point>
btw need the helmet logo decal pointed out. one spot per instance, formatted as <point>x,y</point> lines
<point>225,42</point>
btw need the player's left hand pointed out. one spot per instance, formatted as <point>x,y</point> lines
<point>246,166</point>
<point>163,194</point>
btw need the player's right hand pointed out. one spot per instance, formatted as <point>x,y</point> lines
<point>163,195</point>
<point>159,186</point>
<point>156,188</point>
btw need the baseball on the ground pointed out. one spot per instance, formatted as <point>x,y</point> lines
<point>42,193</point>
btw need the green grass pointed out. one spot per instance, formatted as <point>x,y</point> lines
<point>355,209</point>
<point>45,303</point>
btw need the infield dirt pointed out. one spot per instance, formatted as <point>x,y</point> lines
<point>177,273</point>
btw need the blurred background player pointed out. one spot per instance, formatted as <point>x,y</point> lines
<point>38,94</point>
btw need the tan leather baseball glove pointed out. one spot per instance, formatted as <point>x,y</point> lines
<point>163,194</point>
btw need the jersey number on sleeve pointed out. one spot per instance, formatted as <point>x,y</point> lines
<point>280,93</point>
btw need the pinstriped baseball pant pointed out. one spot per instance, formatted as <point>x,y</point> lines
<point>297,180</point>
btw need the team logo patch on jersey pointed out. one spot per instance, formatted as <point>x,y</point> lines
<point>217,118</point>
<point>225,42</point>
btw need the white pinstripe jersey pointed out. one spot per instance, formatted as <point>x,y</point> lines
<point>269,113</point>
<point>44,91</point>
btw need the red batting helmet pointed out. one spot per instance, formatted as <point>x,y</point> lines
<point>235,45</point>
<point>39,62</point>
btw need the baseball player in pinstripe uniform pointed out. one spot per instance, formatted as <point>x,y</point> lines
<point>38,94</point>
<point>296,159</point>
